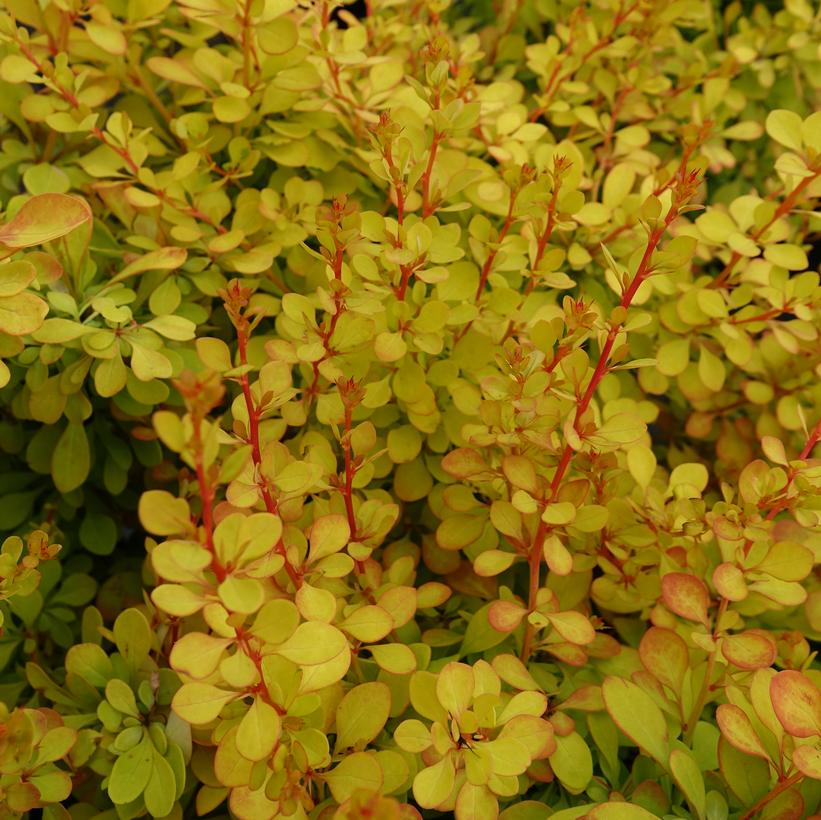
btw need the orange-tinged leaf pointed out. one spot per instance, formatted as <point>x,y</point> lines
<point>797,703</point>
<point>505,616</point>
<point>464,463</point>
<point>534,733</point>
<point>22,313</point>
<point>43,218</point>
<point>523,703</point>
<point>573,627</point>
<point>168,258</point>
<point>16,276</point>
<point>753,649</point>
<point>493,562</point>
<point>400,603</point>
<point>686,596</point>
<point>585,699</point>
<point>247,803</point>
<point>513,672</point>
<point>808,760</point>
<point>664,655</point>
<point>738,730</point>
<point>788,805</point>
<point>728,580</point>
<point>557,556</point>
<point>520,472</point>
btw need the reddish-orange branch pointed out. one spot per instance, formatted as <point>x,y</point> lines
<point>642,272</point>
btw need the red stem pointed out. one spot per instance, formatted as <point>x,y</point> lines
<point>349,473</point>
<point>397,186</point>
<point>782,209</point>
<point>427,207</point>
<point>772,794</point>
<point>492,255</point>
<point>256,451</point>
<point>551,89</point>
<point>402,290</point>
<point>546,234</point>
<point>600,371</point>
<point>783,503</point>
<point>339,306</point>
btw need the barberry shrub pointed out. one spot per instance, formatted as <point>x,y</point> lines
<point>426,401</point>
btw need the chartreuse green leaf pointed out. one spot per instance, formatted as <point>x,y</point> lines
<point>572,762</point>
<point>163,514</point>
<point>785,128</point>
<point>688,777</point>
<point>133,636</point>
<point>637,715</point>
<point>361,715</point>
<point>132,771</point>
<point>161,790</point>
<point>617,810</point>
<point>71,460</point>
<point>433,785</point>
<point>200,703</point>
<point>356,771</point>
<point>258,731</point>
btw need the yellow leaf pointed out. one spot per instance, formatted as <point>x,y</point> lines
<point>200,703</point>
<point>258,731</point>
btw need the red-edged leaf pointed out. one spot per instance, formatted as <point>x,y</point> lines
<point>664,654</point>
<point>464,463</point>
<point>43,218</point>
<point>505,616</point>
<point>797,703</point>
<point>808,760</point>
<point>686,596</point>
<point>738,730</point>
<point>753,649</point>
